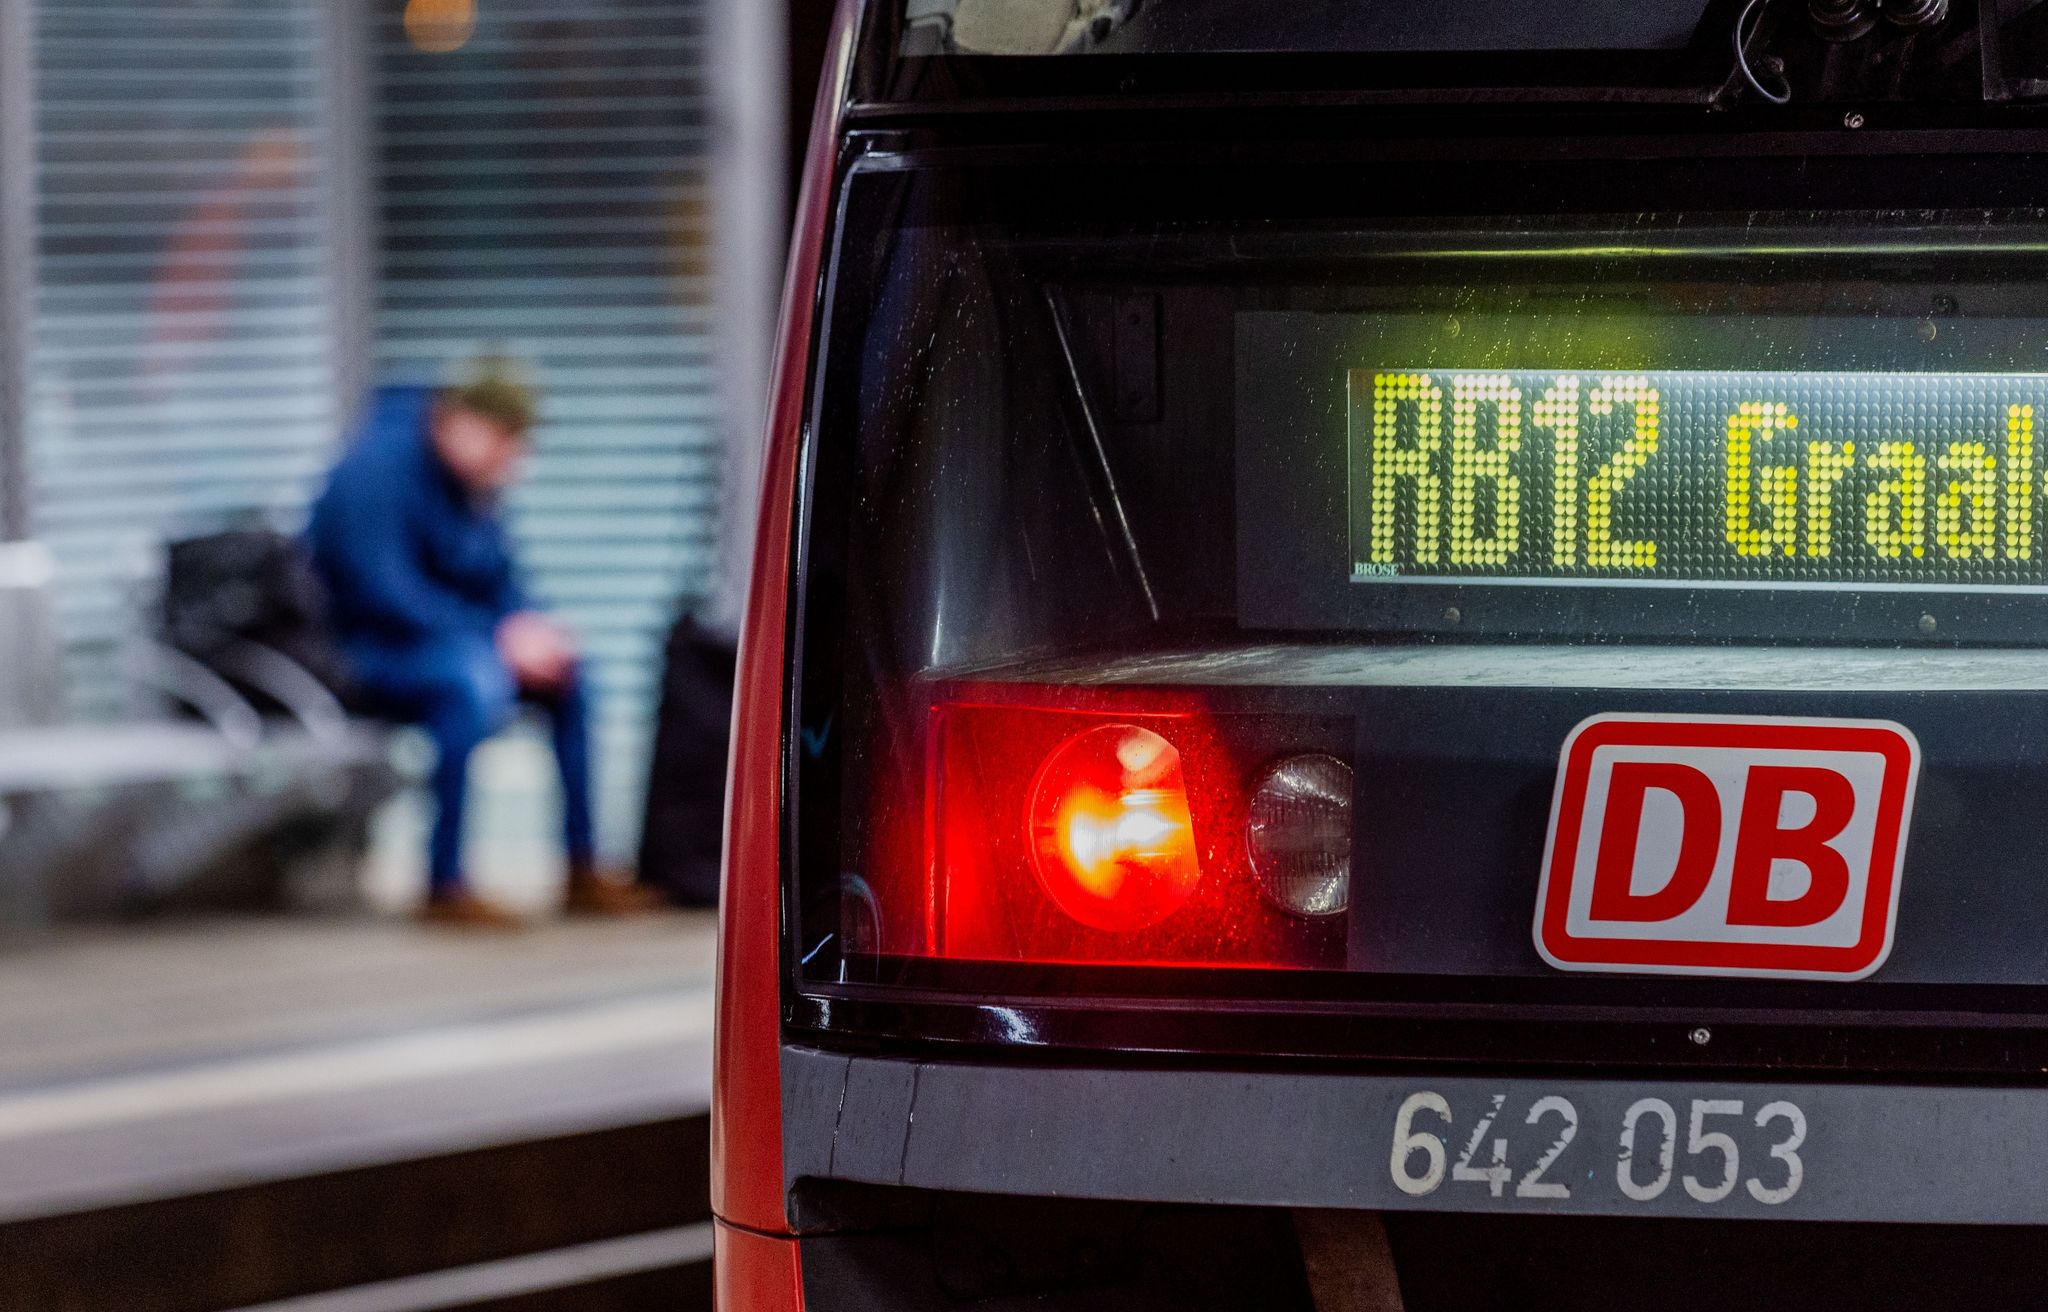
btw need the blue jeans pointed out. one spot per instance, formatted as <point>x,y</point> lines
<point>458,689</point>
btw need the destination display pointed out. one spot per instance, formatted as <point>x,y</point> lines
<point>1922,480</point>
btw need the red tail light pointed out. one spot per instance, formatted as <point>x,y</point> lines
<point>1111,837</point>
<point>1116,838</point>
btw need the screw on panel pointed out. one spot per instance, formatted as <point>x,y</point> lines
<point>1701,1035</point>
<point>1928,624</point>
<point>1912,14</point>
<point>1453,615</point>
<point>1841,21</point>
<point>1852,120</point>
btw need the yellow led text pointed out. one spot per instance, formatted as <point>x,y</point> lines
<point>1636,395</point>
<point>1414,463</point>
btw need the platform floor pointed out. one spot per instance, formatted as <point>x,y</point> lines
<point>157,1060</point>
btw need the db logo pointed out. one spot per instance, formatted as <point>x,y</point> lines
<point>1704,845</point>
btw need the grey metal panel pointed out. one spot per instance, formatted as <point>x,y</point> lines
<point>543,190</point>
<point>1870,1152</point>
<point>814,1083</point>
<point>886,1093</point>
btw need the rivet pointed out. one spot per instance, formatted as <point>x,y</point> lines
<point>1701,1035</point>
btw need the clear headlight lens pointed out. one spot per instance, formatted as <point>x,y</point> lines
<point>1298,832</point>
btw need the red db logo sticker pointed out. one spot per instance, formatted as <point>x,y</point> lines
<point>1709,845</point>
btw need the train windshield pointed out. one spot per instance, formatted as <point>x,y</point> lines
<point>1236,468</point>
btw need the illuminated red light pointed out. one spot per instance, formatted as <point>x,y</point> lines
<point>1098,836</point>
<point>1111,836</point>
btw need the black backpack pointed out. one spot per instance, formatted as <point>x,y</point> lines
<point>249,585</point>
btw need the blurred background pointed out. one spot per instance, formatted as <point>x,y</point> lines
<point>234,1071</point>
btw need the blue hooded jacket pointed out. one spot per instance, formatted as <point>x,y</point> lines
<point>406,552</point>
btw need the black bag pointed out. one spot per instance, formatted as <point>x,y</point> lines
<point>249,585</point>
<point>685,818</point>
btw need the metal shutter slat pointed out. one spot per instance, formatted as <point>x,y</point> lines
<point>184,358</point>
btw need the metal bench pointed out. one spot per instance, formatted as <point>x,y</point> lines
<point>220,803</point>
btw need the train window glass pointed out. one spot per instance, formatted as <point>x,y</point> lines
<point>1156,568</point>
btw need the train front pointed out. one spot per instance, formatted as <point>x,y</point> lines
<point>1397,660</point>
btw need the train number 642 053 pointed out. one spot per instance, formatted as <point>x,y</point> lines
<point>1533,1150</point>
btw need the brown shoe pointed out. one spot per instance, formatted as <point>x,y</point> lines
<point>462,909</point>
<point>591,894</point>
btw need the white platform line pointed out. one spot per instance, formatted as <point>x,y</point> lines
<point>560,1268</point>
<point>366,1064</point>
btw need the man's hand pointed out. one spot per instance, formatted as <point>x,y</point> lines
<point>539,652</point>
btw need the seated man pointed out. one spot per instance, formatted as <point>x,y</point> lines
<point>427,605</point>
